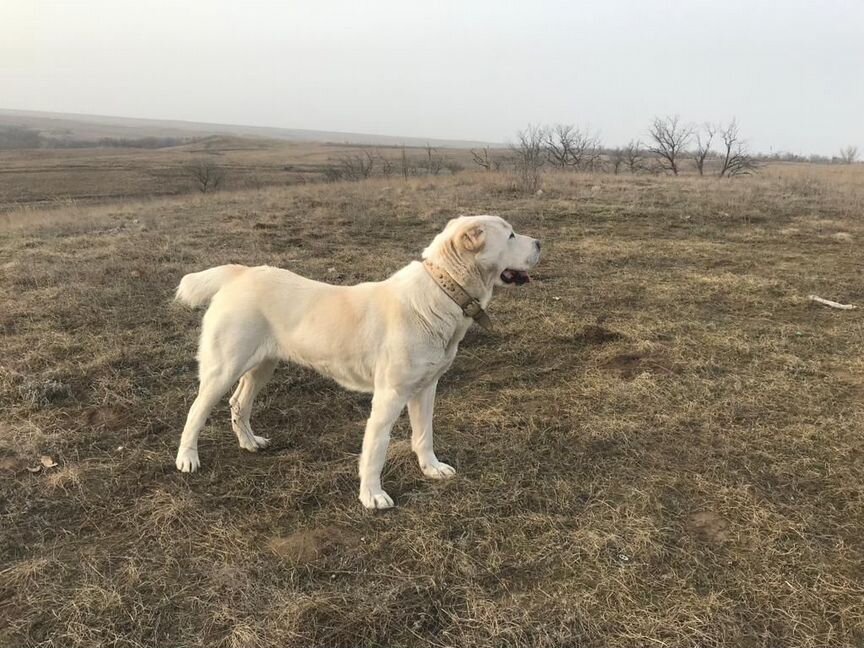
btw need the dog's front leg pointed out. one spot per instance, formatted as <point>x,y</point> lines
<point>420,409</point>
<point>387,404</point>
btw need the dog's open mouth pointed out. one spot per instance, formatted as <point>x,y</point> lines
<point>517,277</point>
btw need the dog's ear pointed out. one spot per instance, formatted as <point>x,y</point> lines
<point>472,239</point>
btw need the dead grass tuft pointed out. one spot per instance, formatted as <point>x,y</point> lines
<point>63,478</point>
<point>44,393</point>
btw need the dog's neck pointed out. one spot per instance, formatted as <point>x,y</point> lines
<point>473,280</point>
<point>437,311</point>
<point>470,306</point>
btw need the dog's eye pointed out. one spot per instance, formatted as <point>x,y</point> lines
<point>512,234</point>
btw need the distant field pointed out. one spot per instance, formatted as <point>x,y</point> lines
<point>51,176</point>
<point>662,446</point>
<point>79,126</point>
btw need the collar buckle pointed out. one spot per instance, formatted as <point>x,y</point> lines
<point>469,305</point>
<point>472,309</point>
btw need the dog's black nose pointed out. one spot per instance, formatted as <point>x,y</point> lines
<point>537,243</point>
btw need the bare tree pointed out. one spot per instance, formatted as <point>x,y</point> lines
<point>371,157</point>
<point>633,155</point>
<point>670,139</point>
<point>703,146</point>
<point>736,158</point>
<point>357,167</point>
<point>849,154</point>
<point>568,146</point>
<point>385,163</point>
<point>530,156</point>
<point>594,161</point>
<point>206,173</point>
<point>485,159</point>
<point>404,165</point>
<point>332,173</point>
<point>617,158</point>
<point>482,158</point>
<point>434,162</point>
<point>559,142</point>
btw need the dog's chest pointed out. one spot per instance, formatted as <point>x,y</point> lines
<point>445,358</point>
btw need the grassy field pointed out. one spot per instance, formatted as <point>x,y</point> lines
<point>662,446</point>
<point>85,176</point>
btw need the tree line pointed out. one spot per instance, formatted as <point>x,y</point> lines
<point>671,146</point>
<point>22,137</point>
<point>372,162</point>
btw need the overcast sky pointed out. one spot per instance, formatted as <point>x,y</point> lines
<point>792,71</point>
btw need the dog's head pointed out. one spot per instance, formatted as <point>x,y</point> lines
<point>490,244</point>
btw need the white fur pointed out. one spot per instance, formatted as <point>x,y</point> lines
<point>198,288</point>
<point>393,338</point>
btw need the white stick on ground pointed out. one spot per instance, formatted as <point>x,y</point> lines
<point>832,304</point>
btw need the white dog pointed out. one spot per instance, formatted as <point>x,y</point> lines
<point>393,338</point>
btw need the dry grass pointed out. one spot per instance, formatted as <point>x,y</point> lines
<point>662,447</point>
<point>59,178</point>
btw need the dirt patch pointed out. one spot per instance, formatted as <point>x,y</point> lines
<point>109,418</point>
<point>595,335</point>
<point>9,465</point>
<point>630,365</point>
<point>309,545</point>
<point>709,527</point>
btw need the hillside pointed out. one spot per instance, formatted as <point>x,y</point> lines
<point>94,127</point>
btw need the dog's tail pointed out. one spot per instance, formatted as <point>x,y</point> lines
<point>198,288</point>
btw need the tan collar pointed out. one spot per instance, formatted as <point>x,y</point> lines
<point>470,306</point>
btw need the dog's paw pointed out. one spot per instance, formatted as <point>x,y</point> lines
<point>261,442</point>
<point>254,443</point>
<point>438,470</point>
<point>373,500</point>
<point>187,460</point>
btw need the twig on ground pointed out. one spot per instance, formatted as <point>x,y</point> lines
<point>832,304</point>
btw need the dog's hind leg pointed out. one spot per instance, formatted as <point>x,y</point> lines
<point>211,389</point>
<point>220,364</point>
<point>241,405</point>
